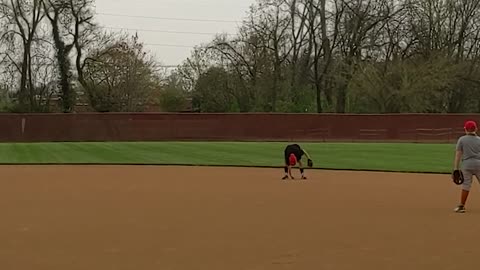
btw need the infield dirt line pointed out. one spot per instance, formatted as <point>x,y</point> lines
<point>133,164</point>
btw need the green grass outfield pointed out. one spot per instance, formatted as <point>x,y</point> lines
<point>396,157</point>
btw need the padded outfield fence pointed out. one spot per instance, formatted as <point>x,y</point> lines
<point>231,127</point>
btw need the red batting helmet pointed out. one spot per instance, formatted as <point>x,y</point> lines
<point>292,159</point>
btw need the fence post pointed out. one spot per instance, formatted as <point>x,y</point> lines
<point>23,125</point>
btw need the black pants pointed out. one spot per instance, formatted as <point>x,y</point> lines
<point>292,150</point>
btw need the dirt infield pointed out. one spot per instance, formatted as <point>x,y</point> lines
<point>229,218</point>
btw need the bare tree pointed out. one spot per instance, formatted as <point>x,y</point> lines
<point>362,20</point>
<point>70,20</point>
<point>23,19</point>
<point>298,38</point>
<point>323,35</point>
<point>270,23</point>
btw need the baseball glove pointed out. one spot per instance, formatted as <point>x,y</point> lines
<point>310,163</point>
<point>457,177</point>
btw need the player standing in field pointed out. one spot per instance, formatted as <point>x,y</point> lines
<point>293,154</point>
<point>468,153</point>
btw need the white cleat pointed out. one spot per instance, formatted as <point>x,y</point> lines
<point>459,209</point>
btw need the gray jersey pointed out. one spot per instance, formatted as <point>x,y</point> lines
<point>470,146</point>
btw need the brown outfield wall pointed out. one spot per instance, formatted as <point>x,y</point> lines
<point>230,127</point>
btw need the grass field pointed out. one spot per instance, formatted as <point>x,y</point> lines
<point>397,157</point>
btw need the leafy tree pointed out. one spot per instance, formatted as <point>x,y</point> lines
<point>120,77</point>
<point>213,92</point>
<point>172,96</point>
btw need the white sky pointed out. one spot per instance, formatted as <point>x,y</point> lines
<point>224,10</point>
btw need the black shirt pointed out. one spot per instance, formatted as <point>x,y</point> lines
<point>294,149</point>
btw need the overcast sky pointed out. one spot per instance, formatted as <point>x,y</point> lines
<point>179,43</point>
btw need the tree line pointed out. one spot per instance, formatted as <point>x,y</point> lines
<point>54,48</point>
<point>356,56</point>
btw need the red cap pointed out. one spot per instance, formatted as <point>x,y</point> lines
<point>292,159</point>
<point>470,126</point>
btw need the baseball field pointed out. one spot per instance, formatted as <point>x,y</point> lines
<point>85,206</point>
